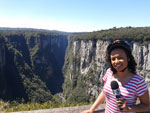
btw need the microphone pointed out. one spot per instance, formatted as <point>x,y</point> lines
<point>115,89</point>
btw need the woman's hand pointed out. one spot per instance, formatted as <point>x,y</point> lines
<point>122,104</point>
<point>88,111</point>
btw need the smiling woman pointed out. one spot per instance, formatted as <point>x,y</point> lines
<point>131,85</point>
<point>119,60</point>
<point>124,54</point>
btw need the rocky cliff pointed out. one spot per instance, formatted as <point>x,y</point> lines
<point>30,64</point>
<point>2,67</point>
<point>85,61</point>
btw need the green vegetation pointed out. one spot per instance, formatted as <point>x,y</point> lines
<point>128,33</point>
<point>33,64</point>
<point>14,106</point>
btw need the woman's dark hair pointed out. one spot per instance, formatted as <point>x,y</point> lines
<point>126,47</point>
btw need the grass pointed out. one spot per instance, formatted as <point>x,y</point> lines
<point>16,107</point>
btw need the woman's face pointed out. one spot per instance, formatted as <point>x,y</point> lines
<point>118,59</point>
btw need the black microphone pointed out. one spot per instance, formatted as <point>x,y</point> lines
<point>115,89</point>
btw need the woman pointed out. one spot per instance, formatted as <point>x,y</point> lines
<point>132,86</point>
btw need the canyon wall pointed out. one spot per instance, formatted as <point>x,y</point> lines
<point>85,66</point>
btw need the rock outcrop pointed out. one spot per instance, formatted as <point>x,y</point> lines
<point>87,63</point>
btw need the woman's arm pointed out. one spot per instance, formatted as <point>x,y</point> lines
<point>144,103</point>
<point>98,101</point>
<point>142,106</point>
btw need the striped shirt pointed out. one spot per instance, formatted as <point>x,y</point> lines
<point>135,87</point>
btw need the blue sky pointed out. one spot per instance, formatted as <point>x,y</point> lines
<point>74,15</point>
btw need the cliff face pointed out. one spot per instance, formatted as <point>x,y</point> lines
<point>85,61</point>
<point>141,52</point>
<point>47,58</point>
<point>2,67</point>
<point>31,65</point>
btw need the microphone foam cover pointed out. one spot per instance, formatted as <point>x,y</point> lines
<point>114,85</point>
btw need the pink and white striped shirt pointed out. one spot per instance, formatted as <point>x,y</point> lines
<point>134,88</point>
